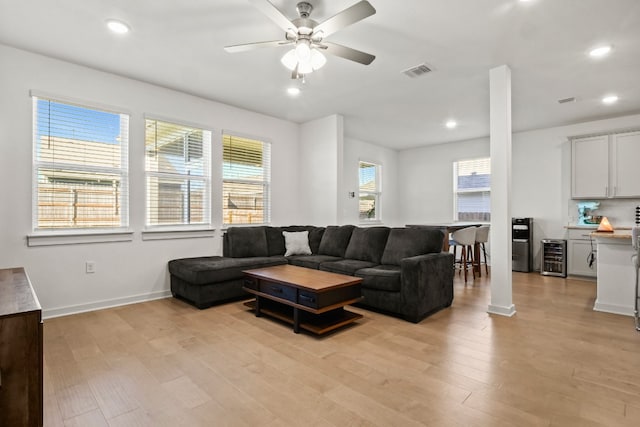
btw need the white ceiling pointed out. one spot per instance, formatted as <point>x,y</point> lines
<point>179,44</point>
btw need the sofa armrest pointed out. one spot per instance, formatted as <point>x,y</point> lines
<point>427,284</point>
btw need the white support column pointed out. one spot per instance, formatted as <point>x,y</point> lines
<point>500,128</point>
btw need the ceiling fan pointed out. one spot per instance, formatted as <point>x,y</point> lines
<point>307,36</point>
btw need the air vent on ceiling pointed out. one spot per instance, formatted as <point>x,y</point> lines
<point>417,71</point>
<point>567,100</point>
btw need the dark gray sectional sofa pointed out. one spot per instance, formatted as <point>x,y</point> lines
<point>403,270</point>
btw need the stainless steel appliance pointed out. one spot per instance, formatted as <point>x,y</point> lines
<point>522,244</point>
<point>554,257</point>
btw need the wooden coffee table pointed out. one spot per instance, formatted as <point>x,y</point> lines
<point>309,299</point>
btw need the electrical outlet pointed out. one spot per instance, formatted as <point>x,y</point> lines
<point>90,267</point>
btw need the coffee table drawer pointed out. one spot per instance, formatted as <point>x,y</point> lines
<point>251,283</point>
<point>278,290</point>
<point>320,300</point>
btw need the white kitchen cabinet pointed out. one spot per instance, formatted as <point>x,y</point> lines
<point>626,167</point>
<point>590,167</point>
<point>606,166</point>
<point>579,248</point>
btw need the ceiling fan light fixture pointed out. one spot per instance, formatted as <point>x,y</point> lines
<point>305,67</point>
<point>317,59</point>
<point>314,61</point>
<point>303,50</point>
<point>307,35</point>
<point>290,60</point>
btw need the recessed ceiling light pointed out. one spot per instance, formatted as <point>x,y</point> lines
<point>293,91</point>
<point>610,99</point>
<point>451,124</point>
<point>117,27</point>
<point>600,51</point>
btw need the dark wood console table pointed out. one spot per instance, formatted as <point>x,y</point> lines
<point>21,368</point>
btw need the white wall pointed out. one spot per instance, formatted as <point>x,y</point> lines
<point>541,178</point>
<point>356,151</point>
<point>426,174</point>
<point>126,271</point>
<point>320,170</point>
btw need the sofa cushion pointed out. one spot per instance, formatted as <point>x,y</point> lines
<point>346,266</point>
<point>367,244</point>
<point>275,239</point>
<point>311,261</point>
<point>335,240</point>
<point>247,242</point>
<point>381,278</point>
<point>408,242</point>
<point>296,243</point>
<point>315,234</point>
<point>205,270</point>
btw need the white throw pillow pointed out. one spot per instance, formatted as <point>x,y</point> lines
<point>296,243</point>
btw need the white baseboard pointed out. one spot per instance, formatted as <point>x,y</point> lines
<point>99,305</point>
<point>613,308</point>
<point>502,311</point>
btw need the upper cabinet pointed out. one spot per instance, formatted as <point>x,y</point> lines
<point>605,166</point>
<point>625,176</point>
<point>590,167</point>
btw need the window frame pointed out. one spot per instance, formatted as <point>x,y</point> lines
<point>479,190</point>
<point>377,194</point>
<point>266,181</point>
<point>151,230</point>
<point>67,235</point>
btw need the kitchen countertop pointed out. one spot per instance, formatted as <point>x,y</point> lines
<point>594,226</point>
<point>617,234</point>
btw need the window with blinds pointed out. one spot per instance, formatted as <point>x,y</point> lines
<point>246,175</point>
<point>369,192</point>
<point>178,173</point>
<point>80,166</point>
<point>472,190</point>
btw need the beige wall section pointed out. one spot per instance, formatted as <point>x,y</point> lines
<point>356,151</point>
<point>320,164</point>
<point>125,271</point>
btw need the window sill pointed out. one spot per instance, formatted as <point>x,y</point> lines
<point>77,238</point>
<point>178,233</point>
<point>225,227</point>
<point>372,223</point>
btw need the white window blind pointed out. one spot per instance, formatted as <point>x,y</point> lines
<point>80,166</point>
<point>246,176</point>
<point>178,170</point>
<point>369,191</point>
<point>472,190</point>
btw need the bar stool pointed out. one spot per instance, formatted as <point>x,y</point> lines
<point>482,237</point>
<point>465,238</point>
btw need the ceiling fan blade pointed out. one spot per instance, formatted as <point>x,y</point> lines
<point>350,15</point>
<point>274,14</point>
<point>348,53</point>
<point>252,46</point>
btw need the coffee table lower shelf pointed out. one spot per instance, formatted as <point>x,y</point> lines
<point>315,323</point>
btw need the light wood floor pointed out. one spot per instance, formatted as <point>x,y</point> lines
<point>165,363</point>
